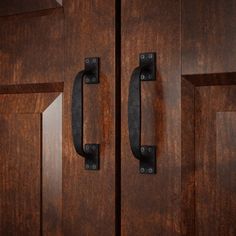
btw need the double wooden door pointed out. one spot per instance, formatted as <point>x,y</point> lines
<point>158,113</point>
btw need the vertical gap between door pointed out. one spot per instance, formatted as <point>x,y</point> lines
<point>118,115</point>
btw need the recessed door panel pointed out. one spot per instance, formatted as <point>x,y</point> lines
<point>31,164</point>
<point>208,156</point>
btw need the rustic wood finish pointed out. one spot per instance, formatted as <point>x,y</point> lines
<point>214,179</point>
<point>150,204</point>
<point>89,196</point>
<point>30,194</point>
<point>32,48</point>
<point>208,36</point>
<point>208,179</point>
<point>20,174</point>
<point>188,113</point>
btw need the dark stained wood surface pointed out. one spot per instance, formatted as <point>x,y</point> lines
<point>150,204</point>
<point>226,175</point>
<point>30,160</point>
<point>187,158</point>
<point>89,196</point>
<point>208,157</point>
<point>214,169</point>
<point>32,48</point>
<point>10,7</point>
<point>20,174</point>
<point>208,36</point>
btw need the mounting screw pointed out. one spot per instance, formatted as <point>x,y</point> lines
<point>87,166</point>
<point>142,170</point>
<point>87,147</point>
<point>150,56</point>
<point>87,80</point>
<point>150,170</point>
<point>142,56</point>
<point>142,149</point>
<point>94,167</point>
<point>142,77</point>
<point>94,60</point>
<point>87,61</point>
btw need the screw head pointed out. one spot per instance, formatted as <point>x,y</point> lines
<point>87,147</point>
<point>94,167</point>
<point>142,149</point>
<point>87,80</point>
<point>142,56</point>
<point>94,60</point>
<point>150,170</point>
<point>142,77</point>
<point>142,170</point>
<point>150,56</point>
<point>87,166</point>
<point>87,61</point>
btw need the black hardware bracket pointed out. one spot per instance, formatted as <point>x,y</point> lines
<point>90,75</point>
<point>146,154</point>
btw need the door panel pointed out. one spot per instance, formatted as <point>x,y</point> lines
<point>150,204</point>
<point>208,36</point>
<point>32,48</point>
<point>214,177</point>
<point>20,174</point>
<point>42,52</point>
<point>30,164</point>
<point>89,196</point>
<point>208,165</point>
<point>225,172</point>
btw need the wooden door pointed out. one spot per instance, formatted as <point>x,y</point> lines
<point>150,203</point>
<point>208,117</point>
<point>187,113</point>
<point>44,186</point>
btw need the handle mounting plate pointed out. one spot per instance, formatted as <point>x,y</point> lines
<point>148,161</point>
<point>91,65</point>
<point>92,160</point>
<point>147,63</point>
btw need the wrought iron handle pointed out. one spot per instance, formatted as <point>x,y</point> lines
<point>146,154</point>
<point>89,151</point>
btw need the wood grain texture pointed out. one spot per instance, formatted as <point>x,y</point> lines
<point>226,175</point>
<point>30,158</point>
<point>89,196</point>
<point>187,157</point>
<point>19,6</point>
<point>208,168</point>
<point>20,174</point>
<point>208,36</point>
<point>150,204</point>
<point>32,48</point>
<point>208,179</point>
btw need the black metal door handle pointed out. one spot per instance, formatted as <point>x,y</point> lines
<point>146,154</point>
<point>89,151</point>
